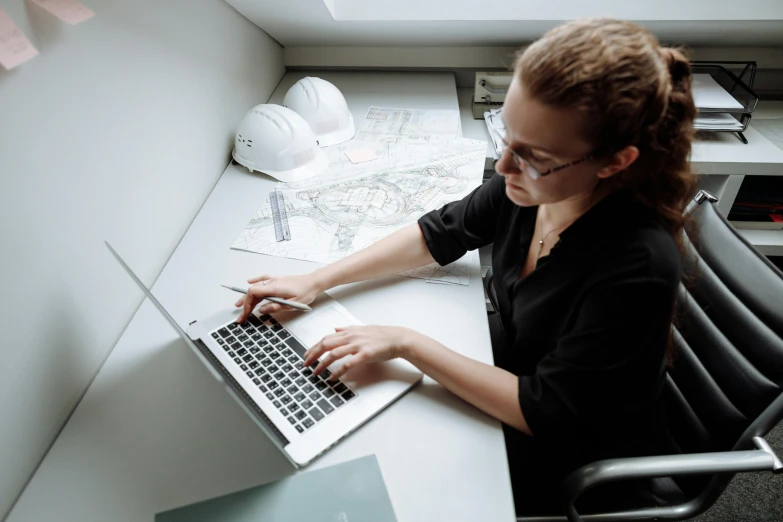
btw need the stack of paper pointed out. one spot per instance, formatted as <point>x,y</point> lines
<point>717,121</point>
<point>708,94</point>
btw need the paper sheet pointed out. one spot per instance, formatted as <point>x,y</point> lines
<point>708,94</point>
<point>456,273</point>
<point>421,164</point>
<point>15,48</point>
<point>422,125</point>
<point>69,11</point>
<point>361,155</point>
<point>331,218</point>
<point>716,121</point>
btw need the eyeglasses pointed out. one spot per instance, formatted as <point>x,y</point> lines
<point>521,161</point>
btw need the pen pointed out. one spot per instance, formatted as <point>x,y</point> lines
<point>292,304</point>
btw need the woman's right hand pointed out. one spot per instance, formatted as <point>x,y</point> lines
<point>300,288</point>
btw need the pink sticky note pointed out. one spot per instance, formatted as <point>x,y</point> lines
<point>69,11</point>
<point>360,155</point>
<point>15,48</point>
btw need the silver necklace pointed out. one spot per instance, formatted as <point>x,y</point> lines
<point>541,242</point>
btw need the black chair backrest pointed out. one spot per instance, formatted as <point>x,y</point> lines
<point>727,370</point>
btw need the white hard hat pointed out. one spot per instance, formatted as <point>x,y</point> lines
<point>277,141</point>
<point>323,107</point>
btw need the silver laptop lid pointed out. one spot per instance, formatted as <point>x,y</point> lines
<point>163,311</point>
<point>259,417</point>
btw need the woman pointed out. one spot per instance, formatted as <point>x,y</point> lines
<point>585,214</point>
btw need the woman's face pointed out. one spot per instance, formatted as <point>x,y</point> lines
<point>549,137</point>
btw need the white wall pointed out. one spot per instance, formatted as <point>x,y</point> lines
<point>118,131</point>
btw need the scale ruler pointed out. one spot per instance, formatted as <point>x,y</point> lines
<point>279,216</point>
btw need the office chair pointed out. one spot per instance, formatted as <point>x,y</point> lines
<point>724,391</point>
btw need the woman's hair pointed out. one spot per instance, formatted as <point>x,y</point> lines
<point>630,91</point>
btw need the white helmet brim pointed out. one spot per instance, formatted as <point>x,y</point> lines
<point>340,136</point>
<point>318,165</point>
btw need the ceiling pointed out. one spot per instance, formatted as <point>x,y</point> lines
<point>311,22</point>
<point>494,10</point>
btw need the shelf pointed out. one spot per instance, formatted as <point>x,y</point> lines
<point>713,152</point>
<point>768,242</point>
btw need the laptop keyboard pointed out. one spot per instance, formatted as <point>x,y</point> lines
<point>273,359</point>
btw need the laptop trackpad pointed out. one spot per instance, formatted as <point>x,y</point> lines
<point>309,328</point>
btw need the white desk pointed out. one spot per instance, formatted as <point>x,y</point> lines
<point>155,431</point>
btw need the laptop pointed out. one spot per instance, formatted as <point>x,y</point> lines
<point>260,364</point>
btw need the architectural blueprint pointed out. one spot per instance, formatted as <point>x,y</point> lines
<point>390,156</point>
<point>415,125</point>
<point>421,164</point>
<point>399,138</point>
<point>331,217</point>
<point>457,273</point>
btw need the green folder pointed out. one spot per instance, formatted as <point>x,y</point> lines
<point>353,491</point>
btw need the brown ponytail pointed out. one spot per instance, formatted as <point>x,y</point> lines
<point>631,92</point>
<point>663,179</point>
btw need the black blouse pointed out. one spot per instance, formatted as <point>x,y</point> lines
<point>587,330</point>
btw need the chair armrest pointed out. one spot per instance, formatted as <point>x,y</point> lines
<point>490,290</point>
<point>596,473</point>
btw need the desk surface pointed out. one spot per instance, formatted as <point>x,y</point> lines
<point>155,431</point>
<point>713,153</point>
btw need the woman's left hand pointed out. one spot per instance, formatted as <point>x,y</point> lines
<point>364,344</point>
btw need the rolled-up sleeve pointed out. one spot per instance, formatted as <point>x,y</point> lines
<point>607,364</point>
<point>463,225</point>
